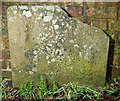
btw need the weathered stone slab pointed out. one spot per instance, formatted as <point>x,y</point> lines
<point>45,41</point>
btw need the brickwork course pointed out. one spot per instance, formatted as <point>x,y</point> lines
<point>104,15</point>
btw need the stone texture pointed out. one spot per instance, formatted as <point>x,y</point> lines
<point>45,41</point>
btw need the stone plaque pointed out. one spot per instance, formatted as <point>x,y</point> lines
<point>45,41</point>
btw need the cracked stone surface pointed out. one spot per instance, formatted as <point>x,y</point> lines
<point>45,41</point>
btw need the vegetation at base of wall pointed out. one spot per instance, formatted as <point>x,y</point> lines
<point>71,91</point>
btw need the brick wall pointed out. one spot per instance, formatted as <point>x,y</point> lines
<point>105,16</point>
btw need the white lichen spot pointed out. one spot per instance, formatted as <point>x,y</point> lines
<point>65,30</point>
<point>80,54</point>
<point>96,30</point>
<point>19,14</point>
<point>83,33</point>
<point>68,56</point>
<point>63,17</point>
<point>47,57</point>
<point>31,72</point>
<point>14,17</point>
<point>34,9</point>
<point>35,52</point>
<point>53,60</point>
<point>76,45</point>
<point>48,62</point>
<point>46,35</point>
<point>85,46</point>
<point>48,49</point>
<point>86,56</point>
<point>47,18</point>
<point>57,17</point>
<point>38,18</point>
<point>47,73</point>
<point>71,41</point>
<point>23,7</point>
<point>105,36</point>
<point>8,12</point>
<point>41,14</point>
<point>43,24</point>
<point>71,27</point>
<point>10,19</point>
<point>15,12</point>
<point>15,7</point>
<point>62,23</point>
<point>20,71</point>
<point>14,65</point>
<point>27,14</point>
<point>58,56</point>
<point>40,34</point>
<point>56,27</point>
<point>75,33</point>
<point>53,52</point>
<point>58,9</point>
<point>43,38</point>
<point>90,47</point>
<point>49,45</point>
<point>54,21</point>
<point>62,40</point>
<point>51,72</point>
<point>35,58</point>
<point>67,25</point>
<point>34,69</point>
<point>50,8</point>
<point>45,28</point>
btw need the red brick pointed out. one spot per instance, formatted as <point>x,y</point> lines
<point>116,59</point>
<point>5,42</point>
<point>3,64</point>
<point>74,10</point>
<point>95,23</point>
<point>62,5</point>
<point>7,74</point>
<point>115,72</point>
<point>5,54</point>
<point>85,20</point>
<point>106,3</point>
<point>117,48</point>
<point>101,12</point>
<point>103,24</point>
<point>114,25</point>
<point>99,23</point>
<point>102,3</point>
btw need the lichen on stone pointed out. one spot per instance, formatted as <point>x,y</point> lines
<point>58,46</point>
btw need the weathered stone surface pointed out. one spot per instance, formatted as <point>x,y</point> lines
<point>45,41</point>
